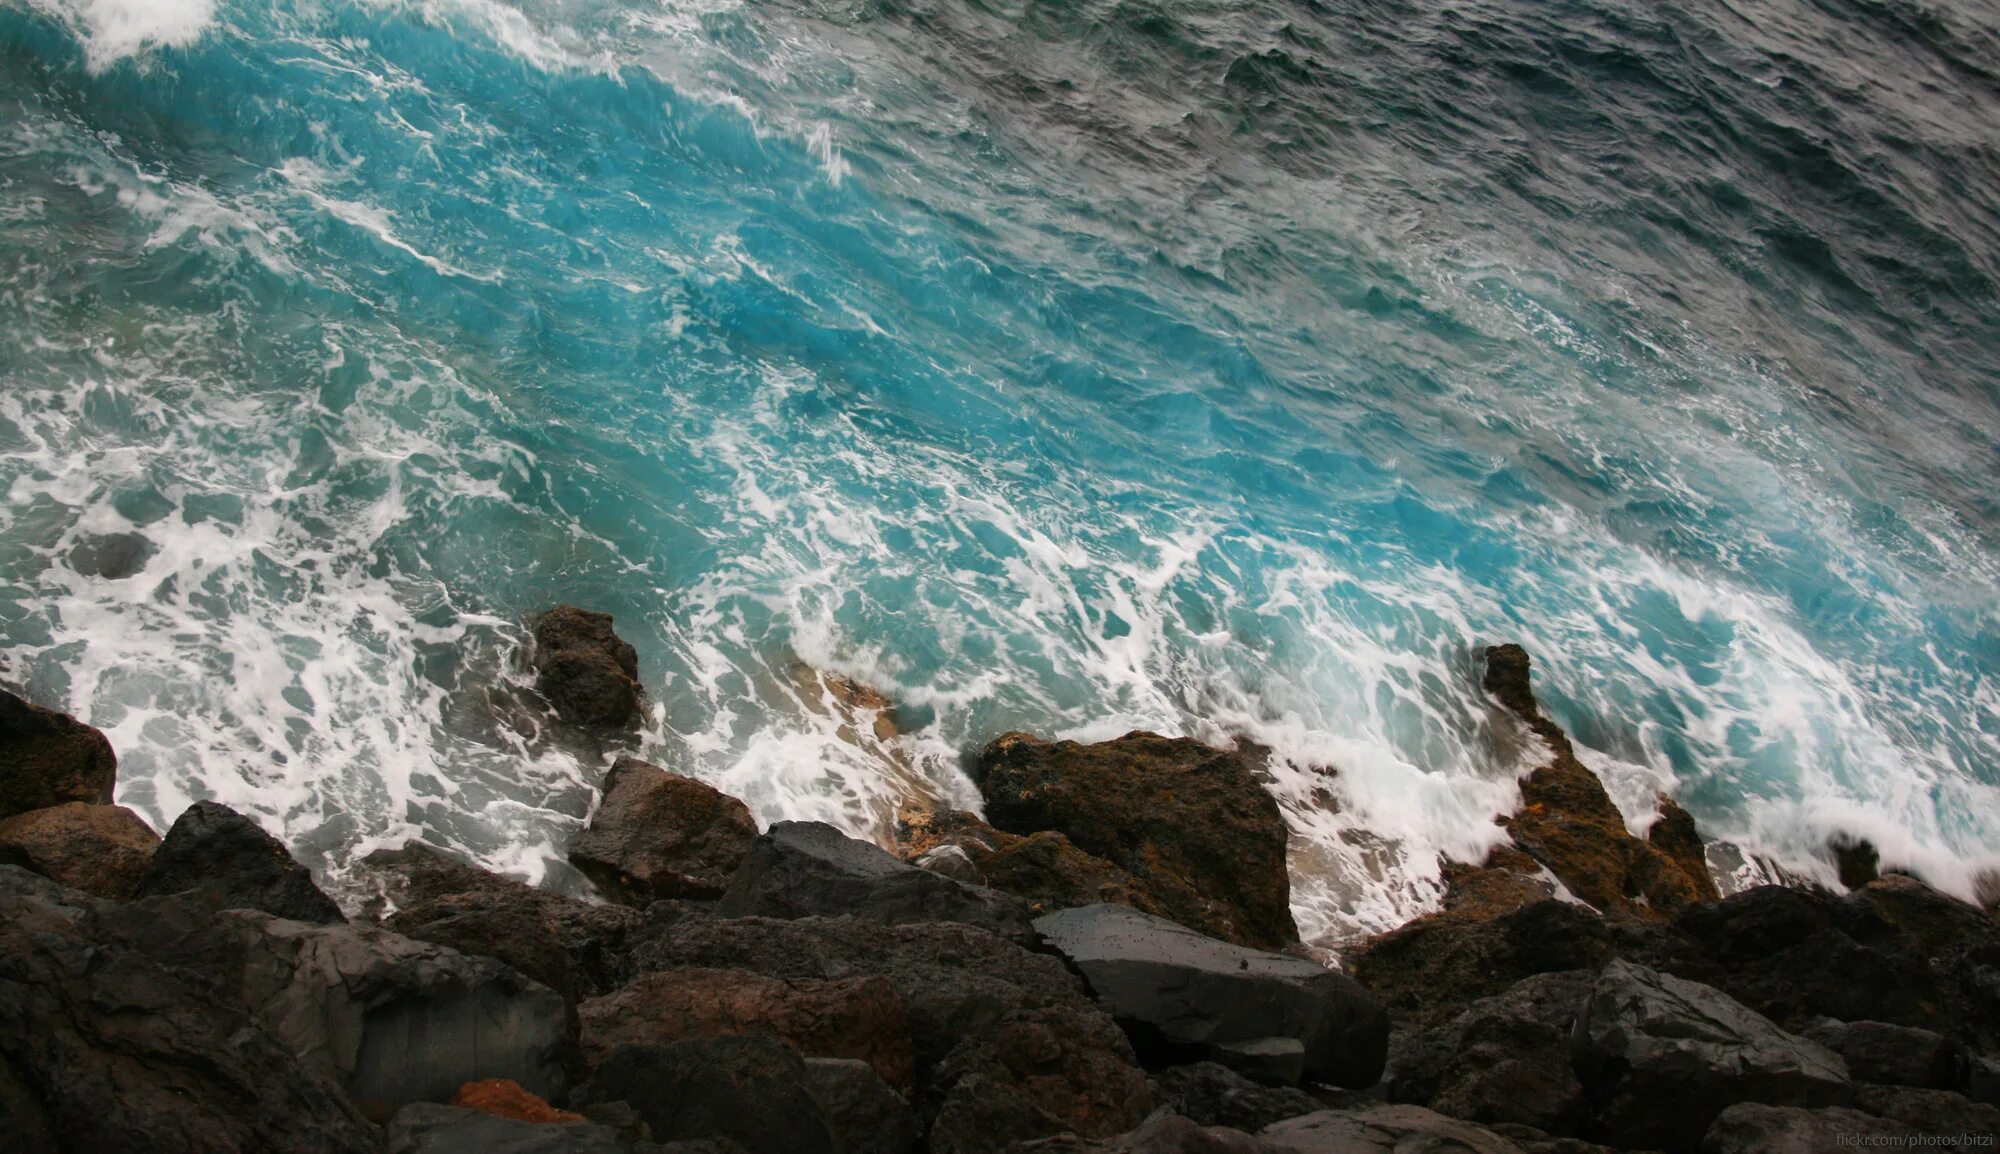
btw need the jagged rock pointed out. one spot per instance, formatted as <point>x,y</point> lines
<point>1381,1130</point>
<point>1894,1055</point>
<point>1505,1059</point>
<point>1755,1128</point>
<point>1181,994</point>
<point>866,1115</point>
<point>810,869</point>
<point>1044,869</point>
<point>104,1045</point>
<point>858,1017</point>
<point>1036,1073</point>
<point>661,835</point>
<point>49,758</point>
<point>431,1128</point>
<point>1568,823</point>
<point>231,860</point>
<point>99,849</point>
<point>571,946</point>
<point>1193,823</point>
<point>1854,860</point>
<point>1661,1058</point>
<point>1214,1095</point>
<point>585,670</point>
<point>750,1089</point>
<point>1162,1134</point>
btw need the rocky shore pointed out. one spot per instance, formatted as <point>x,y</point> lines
<point>1105,961</point>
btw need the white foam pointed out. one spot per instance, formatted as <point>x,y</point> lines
<point>114,30</point>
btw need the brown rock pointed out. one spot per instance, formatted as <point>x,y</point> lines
<point>587,672</point>
<point>1568,823</point>
<point>1855,860</point>
<point>99,849</point>
<point>1191,822</point>
<point>858,1017</point>
<point>1041,1067</point>
<point>660,835</point>
<point>1045,868</point>
<point>505,1097</point>
<point>48,758</point>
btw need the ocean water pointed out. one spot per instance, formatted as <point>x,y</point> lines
<point>1233,368</point>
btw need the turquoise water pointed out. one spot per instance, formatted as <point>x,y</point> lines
<point>1224,368</point>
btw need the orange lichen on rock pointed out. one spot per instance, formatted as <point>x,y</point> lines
<point>505,1098</point>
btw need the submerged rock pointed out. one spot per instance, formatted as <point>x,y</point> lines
<point>111,556</point>
<point>99,849</point>
<point>1193,823</point>
<point>1185,996</point>
<point>661,835</point>
<point>49,758</point>
<point>231,860</point>
<point>587,672</point>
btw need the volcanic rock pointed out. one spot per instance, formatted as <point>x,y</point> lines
<point>661,835</point>
<point>1431,969</point>
<point>750,1089</point>
<point>235,864</point>
<point>1192,823</point>
<point>1044,869</point>
<point>1160,1134</point>
<point>1755,1128</point>
<point>432,1128</point>
<point>49,758</point>
<point>866,1115</point>
<point>99,849</point>
<point>1184,995</point>
<point>1214,1095</point>
<point>585,670</point>
<point>1505,1059</point>
<point>505,1098</point>
<point>1036,1073</point>
<point>1381,1130</point>
<point>1894,1055</point>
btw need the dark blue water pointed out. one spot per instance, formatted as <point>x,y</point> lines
<point>1234,369</point>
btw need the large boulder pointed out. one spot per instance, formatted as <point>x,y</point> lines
<point>751,1089</point>
<point>1894,1055</point>
<point>1034,1074</point>
<point>1182,995</point>
<point>1568,823</point>
<point>810,869</point>
<point>1214,1095</point>
<point>104,1045</point>
<point>857,1017</point>
<point>866,1114</point>
<point>1661,1057</point>
<point>585,670</point>
<point>234,863</point>
<point>1381,1130</point>
<point>1505,1059</point>
<point>1193,823</point>
<point>48,758</point>
<point>661,835</point>
<point>99,849</point>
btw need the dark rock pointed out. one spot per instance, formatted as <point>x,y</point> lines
<point>573,947</point>
<point>1180,993</point>
<point>1755,1128</point>
<point>106,1047</point>
<point>1162,1134</point>
<point>585,670</point>
<point>1044,869</point>
<point>230,858</point>
<point>112,556</point>
<point>1983,1080</point>
<point>1381,1130</point>
<point>1674,834</point>
<point>866,1115</point>
<point>99,849</point>
<point>1894,1055</point>
<point>750,1089</point>
<point>1940,1111</point>
<point>857,1017</point>
<point>1215,1095</point>
<point>431,1128</point>
<point>985,1115</point>
<point>661,835</point>
<point>1661,1058</point>
<point>1505,1059</point>
<point>1429,970</point>
<point>48,758</point>
<point>1192,823</point>
<point>810,869</point>
<point>1855,860</point>
<point>1568,823</point>
<point>1036,1073</point>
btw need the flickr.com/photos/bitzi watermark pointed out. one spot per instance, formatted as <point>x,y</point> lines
<point>1917,1141</point>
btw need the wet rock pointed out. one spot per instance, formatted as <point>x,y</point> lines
<point>750,1089</point>
<point>99,849</point>
<point>1568,823</point>
<point>1193,823</point>
<point>1036,1073</point>
<point>866,1115</point>
<point>431,1128</point>
<point>585,670</point>
<point>857,1017</point>
<point>1381,1130</point>
<point>1894,1055</point>
<point>1044,869</point>
<point>1184,995</point>
<point>1431,969</point>
<point>1661,1057</point>
<point>104,1046</point>
<point>1505,1059</point>
<point>235,864</point>
<point>112,556</point>
<point>506,1098</point>
<point>1755,1128</point>
<point>810,869</point>
<point>1214,1095</point>
<point>1855,860</point>
<point>49,758</point>
<point>661,835</point>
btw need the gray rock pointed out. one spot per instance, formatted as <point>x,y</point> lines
<point>1161,1134</point>
<point>866,1115</point>
<point>1755,1128</point>
<point>231,860</point>
<point>1505,1059</point>
<point>1894,1055</point>
<point>1175,990</point>
<point>810,869</point>
<point>1942,1111</point>
<point>750,1089</point>
<point>1214,1095</point>
<point>431,1128</point>
<point>1382,1130</point>
<point>1661,1058</point>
